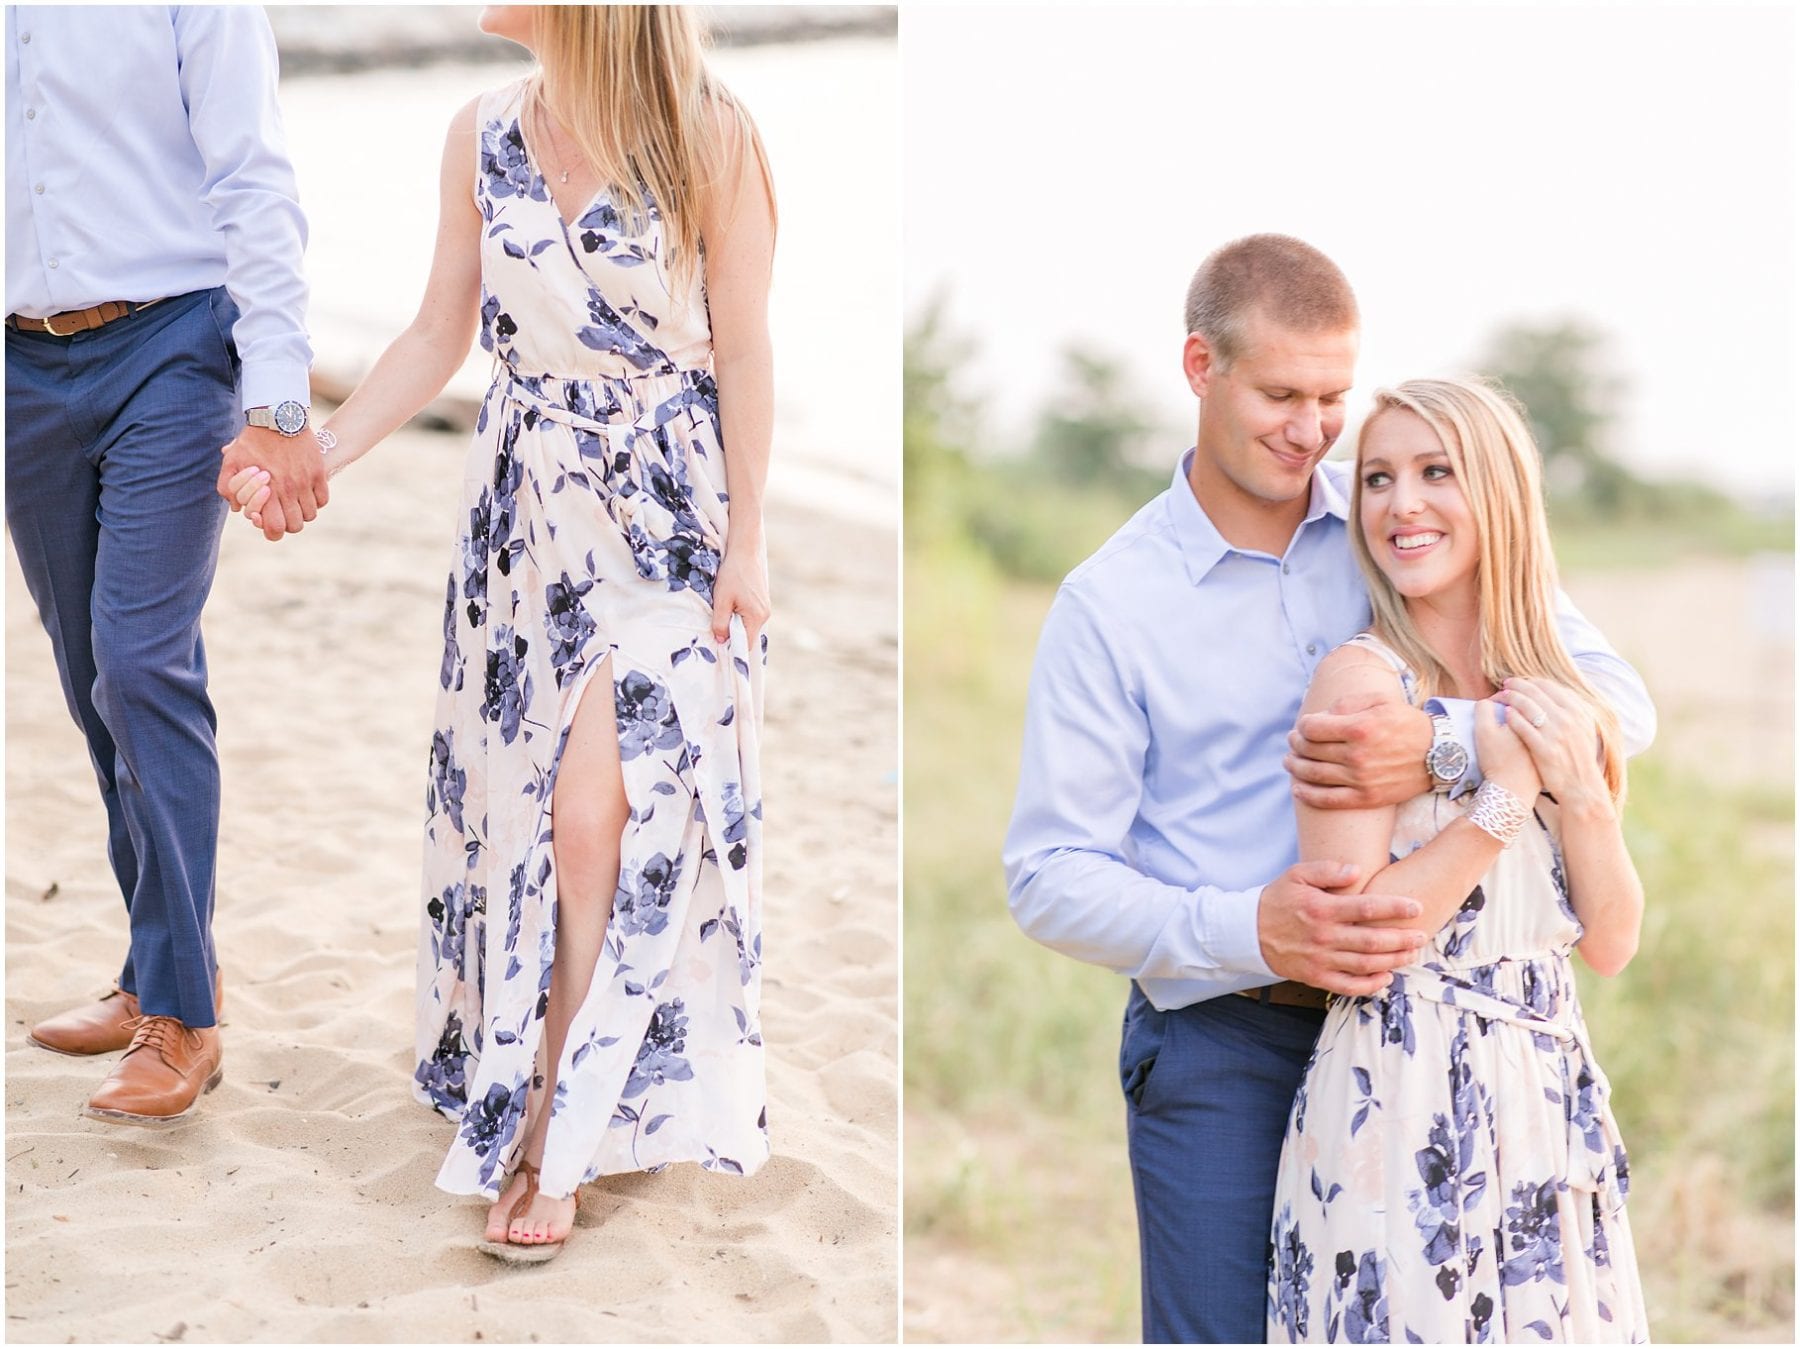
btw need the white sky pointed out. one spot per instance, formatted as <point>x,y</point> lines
<point>367,148</point>
<point>1067,168</point>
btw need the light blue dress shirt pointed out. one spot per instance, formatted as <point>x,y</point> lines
<point>145,158</point>
<point>1152,805</point>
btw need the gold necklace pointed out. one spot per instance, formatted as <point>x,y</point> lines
<point>562,174</point>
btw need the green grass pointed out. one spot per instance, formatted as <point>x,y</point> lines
<point>1015,1161</point>
<point>1587,544</point>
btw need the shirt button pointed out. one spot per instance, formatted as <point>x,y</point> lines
<point>25,37</point>
<point>31,114</point>
<point>1284,569</point>
<point>1312,648</point>
<point>39,189</point>
<point>53,264</point>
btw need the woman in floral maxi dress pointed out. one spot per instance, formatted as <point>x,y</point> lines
<point>1452,1170</point>
<point>590,958</point>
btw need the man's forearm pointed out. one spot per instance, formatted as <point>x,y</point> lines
<point>1099,910</point>
<point>1610,676</point>
<point>1621,689</point>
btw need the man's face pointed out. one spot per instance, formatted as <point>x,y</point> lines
<point>1268,417</point>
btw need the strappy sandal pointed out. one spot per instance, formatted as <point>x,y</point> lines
<point>518,1252</point>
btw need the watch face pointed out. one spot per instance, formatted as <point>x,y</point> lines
<point>1448,761</point>
<point>290,418</point>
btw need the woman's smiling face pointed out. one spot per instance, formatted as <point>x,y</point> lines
<point>1414,515</point>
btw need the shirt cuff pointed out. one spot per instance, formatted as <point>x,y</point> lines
<point>1234,937</point>
<point>1462,729</point>
<point>267,383</point>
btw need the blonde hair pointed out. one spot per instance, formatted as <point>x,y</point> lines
<point>1496,462</point>
<point>630,84</point>
<point>1292,282</point>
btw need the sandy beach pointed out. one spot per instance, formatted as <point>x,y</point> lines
<point>299,1204</point>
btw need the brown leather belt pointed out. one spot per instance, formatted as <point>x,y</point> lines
<point>1288,994</point>
<point>78,320</point>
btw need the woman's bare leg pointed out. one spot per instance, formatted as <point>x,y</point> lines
<point>588,815</point>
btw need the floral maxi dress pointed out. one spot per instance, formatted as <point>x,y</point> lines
<point>594,520</point>
<point>1452,1172</point>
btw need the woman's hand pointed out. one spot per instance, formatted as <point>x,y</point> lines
<point>1505,760</point>
<point>742,587</point>
<point>247,491</point>
<point>1557,726</point>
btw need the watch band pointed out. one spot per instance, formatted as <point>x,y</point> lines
<point>1446,761</point>
<point>295,412</point>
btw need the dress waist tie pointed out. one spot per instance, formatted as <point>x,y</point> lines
<point>1596,1159</point>
<point>632,460</point>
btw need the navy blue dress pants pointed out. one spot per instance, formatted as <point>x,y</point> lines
<point>112,452</point>
<point>1207,1094</point>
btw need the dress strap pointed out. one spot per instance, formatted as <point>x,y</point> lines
<point>1368,641</point>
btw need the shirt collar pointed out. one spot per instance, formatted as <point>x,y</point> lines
<point>1201,543</point>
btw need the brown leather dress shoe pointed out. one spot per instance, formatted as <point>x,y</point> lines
<point>167,1069</point>
<point>103,1027</point>
<point>98,1028</point>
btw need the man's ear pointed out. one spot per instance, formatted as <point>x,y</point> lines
<point>1199,362</point>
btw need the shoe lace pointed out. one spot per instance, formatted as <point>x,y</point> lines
<point>160,1033</point>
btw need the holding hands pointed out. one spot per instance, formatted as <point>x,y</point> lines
<point>258,491</point>
<point>293,475</point>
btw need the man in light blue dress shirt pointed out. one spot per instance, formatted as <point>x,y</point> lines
<point>155,311</point>
<point>1154,832</point>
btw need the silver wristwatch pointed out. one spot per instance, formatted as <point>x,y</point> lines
<point>289,418</point>
<point>1446,760</point>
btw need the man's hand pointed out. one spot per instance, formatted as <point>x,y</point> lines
<point>297,489</point>
<point>1360,754</point>
<point>1315,937</point>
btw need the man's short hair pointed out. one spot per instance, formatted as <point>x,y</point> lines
<point>1293,283</point>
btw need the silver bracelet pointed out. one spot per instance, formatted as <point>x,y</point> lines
<point>1499,812</point>
<point>327,441</point>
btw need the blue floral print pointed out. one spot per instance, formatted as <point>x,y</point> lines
<point>1459,1150</point>
<point>505,169</point>
<point>441,1075</point>
<point>445,788</point>
<point>592,524</point>
<point>659,1057</point>
<point>646,717</point>
<point>1534,1234</point>
<point>508,681</point>
<point>1293,1276</point>
<point>568,623</point>
<point>643,899</point>
<point>1356,1302</point>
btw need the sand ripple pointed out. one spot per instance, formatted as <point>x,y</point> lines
<point>299,1205</point>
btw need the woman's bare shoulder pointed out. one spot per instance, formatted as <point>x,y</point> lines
<point>486,104</point>
<point>1353,669</point>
